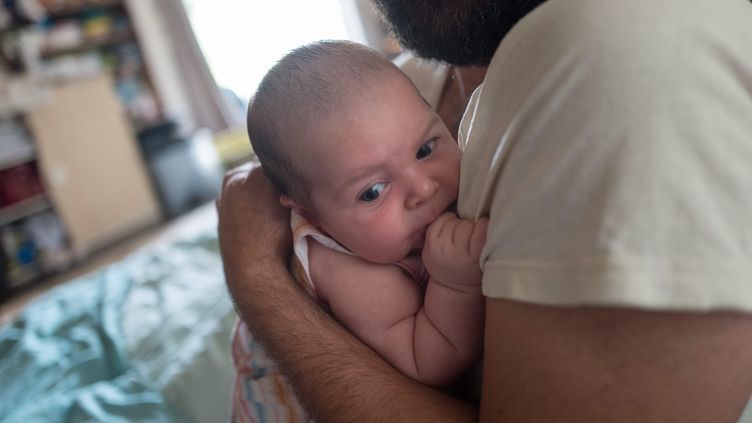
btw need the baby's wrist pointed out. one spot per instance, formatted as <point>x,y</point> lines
<point>471,285</point>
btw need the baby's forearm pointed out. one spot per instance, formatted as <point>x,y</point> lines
<point>431,336</point>
<point>449,325</point>
<point>448,332</point>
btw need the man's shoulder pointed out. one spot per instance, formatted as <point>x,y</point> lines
<point>636,26</point>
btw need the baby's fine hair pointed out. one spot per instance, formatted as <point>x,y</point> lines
<point>303,88</point>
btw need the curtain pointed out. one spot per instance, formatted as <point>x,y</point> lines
<point>178,67</point>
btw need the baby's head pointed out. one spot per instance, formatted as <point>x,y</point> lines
<point>348,140</point>
<point>298,95</point>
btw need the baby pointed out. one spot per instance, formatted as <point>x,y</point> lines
<point>370,172</point>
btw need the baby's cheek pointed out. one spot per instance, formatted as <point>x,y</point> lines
<point>392,249</point>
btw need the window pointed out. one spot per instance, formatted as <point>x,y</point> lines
<point>241,40</point>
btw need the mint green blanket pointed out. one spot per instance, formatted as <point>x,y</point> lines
<point>143,340</point>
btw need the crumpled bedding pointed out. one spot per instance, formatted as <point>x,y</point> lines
<point>143,340</point>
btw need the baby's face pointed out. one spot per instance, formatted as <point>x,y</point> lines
<point>381,172</point>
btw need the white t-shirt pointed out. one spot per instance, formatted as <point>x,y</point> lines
<point>611,146</point>
<point>429,76</point>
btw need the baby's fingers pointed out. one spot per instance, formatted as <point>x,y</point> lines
<point>441,225</point>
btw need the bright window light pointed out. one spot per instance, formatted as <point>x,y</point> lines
<point>241,40</point>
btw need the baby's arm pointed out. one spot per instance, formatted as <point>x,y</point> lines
<point>433,342</point>
<point>454,303</point>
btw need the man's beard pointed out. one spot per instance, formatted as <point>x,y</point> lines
<point>459,32</point>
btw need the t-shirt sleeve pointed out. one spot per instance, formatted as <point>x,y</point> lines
<point>611,147</point>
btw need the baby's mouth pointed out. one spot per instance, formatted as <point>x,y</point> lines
<point>420,239</point>
<point>420,234</point>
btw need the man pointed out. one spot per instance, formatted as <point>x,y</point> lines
<point>610,147</point>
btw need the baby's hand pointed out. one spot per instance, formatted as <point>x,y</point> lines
<point>452,248</point>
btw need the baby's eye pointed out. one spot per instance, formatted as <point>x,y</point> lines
<point>425,150</point>
<point>371,194</point>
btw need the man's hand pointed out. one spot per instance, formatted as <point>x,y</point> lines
<point>255,242</point>
<point>335,375</point>
<point>452,250</point>
<point>252,223</point>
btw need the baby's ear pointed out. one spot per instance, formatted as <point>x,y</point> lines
<point>290,203</point>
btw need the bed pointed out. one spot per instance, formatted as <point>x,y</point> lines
<point>145,339</point>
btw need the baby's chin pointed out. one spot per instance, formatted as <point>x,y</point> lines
<point>418,247</point>
<point>394,255</point>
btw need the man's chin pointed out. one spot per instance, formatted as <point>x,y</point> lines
<point>461,33</point>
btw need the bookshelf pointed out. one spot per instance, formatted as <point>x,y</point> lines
<point>74,179</point>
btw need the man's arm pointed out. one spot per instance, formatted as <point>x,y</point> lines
<point>336,376</point>
<point>615,365</point>
<point>541,363</point>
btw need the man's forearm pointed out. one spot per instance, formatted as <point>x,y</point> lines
<point>335,375</point>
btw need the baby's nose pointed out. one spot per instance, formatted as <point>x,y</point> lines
<point>422,188</point>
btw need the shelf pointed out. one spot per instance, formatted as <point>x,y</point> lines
<point>16,157</point>
<point>85,6</point>
<point>118,37</point>
<point>23,275</point>
<point>24,208</point>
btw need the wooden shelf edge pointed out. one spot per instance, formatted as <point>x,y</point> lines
<point>90,44</point>
<point>24,208</point>
<point>24,276</point>
<point>67,11</point>
<point>16,158</point>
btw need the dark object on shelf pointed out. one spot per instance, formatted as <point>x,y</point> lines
<point>20,15</point>
<point>21,264</point>
<point>31,249</point>
<point>157,137</point>
<point>185,170</point>
<point>19,183</point>
<point>67,9</point>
